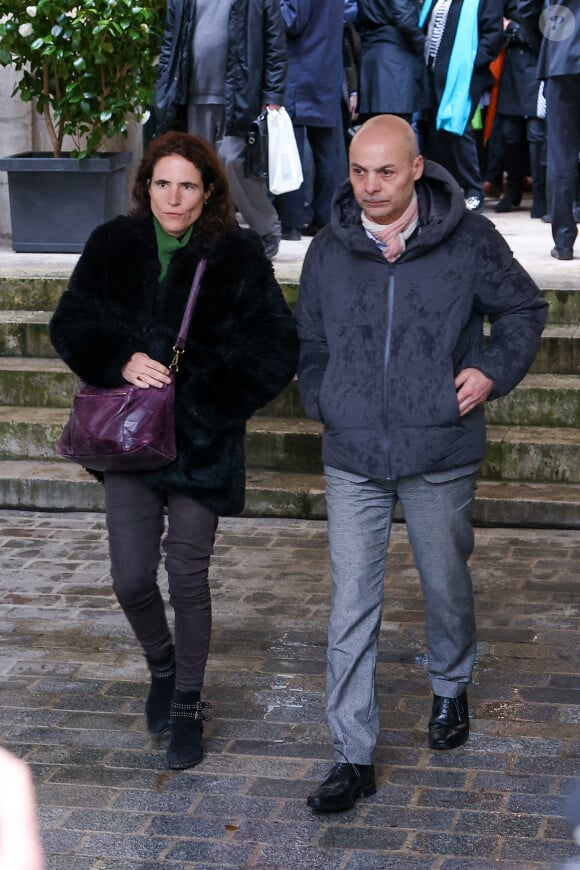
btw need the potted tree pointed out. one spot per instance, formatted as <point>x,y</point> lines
<point>88,66</point>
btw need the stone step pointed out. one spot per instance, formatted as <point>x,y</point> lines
<point>539,400</point>
<point>539,454</point>
<point>31,293</point>
<point>36,381</point>
<point>43,293</point>
<point>559,351</point>
<point>25,334</point>
<point>37,485</point>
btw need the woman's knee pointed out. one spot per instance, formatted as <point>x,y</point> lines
<point>135,595</point>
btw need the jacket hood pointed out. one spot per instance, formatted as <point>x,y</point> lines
<point>441,209</point>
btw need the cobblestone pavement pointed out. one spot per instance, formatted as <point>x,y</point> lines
<point>72,688</point>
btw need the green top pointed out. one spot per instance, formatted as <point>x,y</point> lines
<point>167,245</point>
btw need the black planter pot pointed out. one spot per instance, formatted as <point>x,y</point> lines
<point>56,202</point>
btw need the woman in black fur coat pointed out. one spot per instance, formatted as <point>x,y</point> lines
<point>117,322</point>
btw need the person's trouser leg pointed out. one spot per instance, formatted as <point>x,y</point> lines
<point>249,194</point>
<point>359,521</point>
<point>206,120</point>
<point>323,145</point>
<point>135,524</point>
<point>438,518</point>
<point>563,134</point>
<point>457,154</point>
<point>135,520</point>
<point>188,546</point>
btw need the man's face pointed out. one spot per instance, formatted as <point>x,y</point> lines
<point>383,172</point>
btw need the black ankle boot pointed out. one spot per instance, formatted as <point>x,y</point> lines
<point>158,702</point>
<point>186,728</point>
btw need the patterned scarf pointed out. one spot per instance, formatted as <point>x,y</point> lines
<point>392,238</point>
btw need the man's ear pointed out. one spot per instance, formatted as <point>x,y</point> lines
<point>418,167</point>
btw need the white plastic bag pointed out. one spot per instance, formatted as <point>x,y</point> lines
<point>284,166</point>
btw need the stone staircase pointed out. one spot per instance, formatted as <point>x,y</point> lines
<point>531,475</point>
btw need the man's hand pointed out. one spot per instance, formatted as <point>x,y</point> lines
<point>473,388</point>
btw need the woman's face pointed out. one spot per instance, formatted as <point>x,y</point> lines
<point>177,194</point>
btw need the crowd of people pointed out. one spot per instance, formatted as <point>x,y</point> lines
<point>471,77</point>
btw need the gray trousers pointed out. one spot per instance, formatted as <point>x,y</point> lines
<point>135,522</point>
<point>360,513</point>
<point>249,194</point>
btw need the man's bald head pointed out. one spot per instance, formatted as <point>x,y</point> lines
<point>388,128</point>
<point>384,164</point>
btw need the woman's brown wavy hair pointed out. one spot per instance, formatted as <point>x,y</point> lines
<point>218,214</point>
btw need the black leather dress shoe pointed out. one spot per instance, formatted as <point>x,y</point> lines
<point>345,783</point>
<point>449,722</point>
<point>562,253</point>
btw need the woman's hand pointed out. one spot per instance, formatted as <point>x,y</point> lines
<point>142,371</point>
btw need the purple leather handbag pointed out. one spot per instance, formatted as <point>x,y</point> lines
<point>127,428</point>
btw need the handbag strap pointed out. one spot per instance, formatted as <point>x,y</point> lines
<point>179,346</point>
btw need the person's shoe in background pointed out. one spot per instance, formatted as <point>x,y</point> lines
<point>271,244</point>
<point>562,253</point>
<point>311,229</point>
<point>474,201</point>
<point>291,234</point>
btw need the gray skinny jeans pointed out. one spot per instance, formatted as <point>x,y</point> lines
<point>135,521</point>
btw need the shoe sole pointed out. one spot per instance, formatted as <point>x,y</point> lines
<point>452,744</point>
<point>367,791</point>
<point>184,765</point>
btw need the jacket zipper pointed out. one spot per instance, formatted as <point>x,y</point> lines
<point>386,359</point>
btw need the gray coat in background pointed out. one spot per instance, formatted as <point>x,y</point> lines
<point>256,67</point>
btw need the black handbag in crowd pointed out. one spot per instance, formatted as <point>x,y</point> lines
<point>256,161</point>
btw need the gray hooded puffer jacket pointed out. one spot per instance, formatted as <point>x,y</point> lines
<point>382,343</point>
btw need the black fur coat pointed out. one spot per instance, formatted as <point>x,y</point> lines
<point>241,350</point>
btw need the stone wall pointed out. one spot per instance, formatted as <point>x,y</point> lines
<point>22,129</point>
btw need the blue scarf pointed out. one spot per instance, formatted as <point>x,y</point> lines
<point>455,109</point>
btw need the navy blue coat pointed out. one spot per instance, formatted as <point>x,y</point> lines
<point>392,46</point>
<point>558,57</point>
<point>382,343</point>
<point>314,43</point>
<point>518,89</point>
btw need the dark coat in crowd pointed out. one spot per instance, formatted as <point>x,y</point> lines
<point>518,91</point>
<point>490,42</point>
<point>382,343</point>
<point>558,57</point>
<point>256,64</point>
<point>392,65</point>
<point>314,31</point>
<point>241,348</point>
